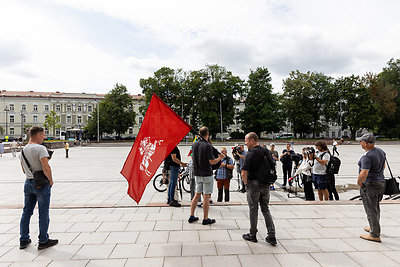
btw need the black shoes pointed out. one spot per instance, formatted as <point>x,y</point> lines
<point>250,238</point>
<point>24,244</point>
<point>193,219</point>
<point>49,243</point>
<point>271,240</point>
<point>174,203</point>
<point>208,221</point>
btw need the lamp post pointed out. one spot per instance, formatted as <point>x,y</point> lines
<point>6,110</point>
<point>98,121</point>
<point>22,123</point>
<point>220,111</point>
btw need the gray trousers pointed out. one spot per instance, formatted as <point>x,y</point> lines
<point>371,194</point>
<point>259,194</point>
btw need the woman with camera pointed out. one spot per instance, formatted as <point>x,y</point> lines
<point>305,170</point>
<point>320,159</point>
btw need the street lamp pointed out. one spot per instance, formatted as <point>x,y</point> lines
<point>98,121</point>
<point>220,110</point>
<point>6,110</point>
<point>22,123</point>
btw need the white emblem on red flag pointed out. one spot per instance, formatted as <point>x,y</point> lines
<point>147,149</point>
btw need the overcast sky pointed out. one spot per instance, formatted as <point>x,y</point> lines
<point>89,45</point>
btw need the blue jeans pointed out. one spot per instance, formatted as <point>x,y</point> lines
<point>42,197</point>
<point>173,181</point>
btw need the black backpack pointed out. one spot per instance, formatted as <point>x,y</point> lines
<point>266,173</point>
<point>333,165</point>
<point>229,172</point>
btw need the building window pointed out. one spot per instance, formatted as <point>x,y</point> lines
<point>69,108</point>
<point>79,119</point>
<point>46,107</point>
<point>23,107</point>
<point>11,118</point>
<point>79,108</point>
<point>35,118</point>
<point>58,108</point>
<point>140,119</point>
<point>11,131</point>
<point>35,108</point>
<point>46,131</point>
<point>333,134</point>
<point>130,130</point>
<point>69,120</point>
<point>58,131</point>
<point>11,107</point>
<point>89,108</point>
<point>345,133</point>
<point>23,118</point>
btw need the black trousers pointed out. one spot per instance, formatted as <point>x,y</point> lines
<point>332,188</point>
<point>287,172</point>
<point>308,187</point>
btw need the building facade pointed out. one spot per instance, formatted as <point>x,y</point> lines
<point>28,108</point>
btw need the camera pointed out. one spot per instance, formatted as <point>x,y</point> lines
<point>296,157</point>
<point>235,150</point>
<point>50,153</point>
<point>309,151</point>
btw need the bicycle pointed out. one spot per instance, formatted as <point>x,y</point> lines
<point>161,185</point>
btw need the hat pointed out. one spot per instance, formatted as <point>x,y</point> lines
<point>368,138</point>
<point>272,144</point>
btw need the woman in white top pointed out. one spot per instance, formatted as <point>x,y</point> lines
<point>320,160</point>
<point>305,171</point>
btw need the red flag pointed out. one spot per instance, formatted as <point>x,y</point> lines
<point>162,129</point>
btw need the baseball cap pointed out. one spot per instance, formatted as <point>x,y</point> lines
<point>368,138</point>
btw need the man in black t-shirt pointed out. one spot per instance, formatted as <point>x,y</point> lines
<point>174,166</point>
<point>257,192</point>
<point>203,159</point>
<point>287,163</point>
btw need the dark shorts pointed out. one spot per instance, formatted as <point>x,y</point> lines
<point>320,181</point>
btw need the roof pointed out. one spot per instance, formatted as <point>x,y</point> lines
<point>57,94</point>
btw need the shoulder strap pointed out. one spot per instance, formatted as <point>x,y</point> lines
<point>387,163</point>
<point>26,161</point>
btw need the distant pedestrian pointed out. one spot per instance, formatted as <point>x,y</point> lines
<point>287,164</point>
<point>257,192</point>
<point>1,148</point>
<point>66,146</point>
<point>372,182</point>
<point>275,158</point>
<point>38,158</point>
<point>203,159</point>
<point>14,147</point>
<point>334,145</point>
<point>223,181</point>
<point>292,144</point>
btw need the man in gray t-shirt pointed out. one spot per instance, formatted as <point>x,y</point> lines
<point>38,159</point>
<point>372,183</point>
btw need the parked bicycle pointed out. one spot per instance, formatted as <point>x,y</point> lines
<point>161,184</point>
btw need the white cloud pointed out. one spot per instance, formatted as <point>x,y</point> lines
<point>73,45</point>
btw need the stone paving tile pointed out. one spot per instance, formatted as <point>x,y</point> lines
<point>299,246</point>
<point>220,261</point>
<point>121,238</point>
<point>303,223</point>
<point>334,259</point>
<point>372,259</point>
<point>182,261</point>
<point>237,215</point>
<point>5,264</point>
<point>392,243</point>
<point>15,254</point>
<point>232,247</point>
<point>4,238</point>
<point>129,251</point>
<point>31,264</point>
<point>164,250</point>
<point>133,217</point>
<point>88,252</point>
<point>108,217</point>
<point>159,216</point>
<point>5,227</point>
<point>152,237</point>
<point>258,260</point>
<point>299,233</point>
<point>140,226</point>
<point>364,245</point>
<point>72,263</point>
<point>112,226</point>
<point>333,233</point>
<point>214,235</point>
<point>168,225</point>
<point>84,227</point>
<point>59,252</point>
<point>331,223</point>
<point>394,255</point>
<point>183,236</point>
<point>224,224</point>
<point>64,238</point>
<point>262,247</point>
<point>332,245</point>
<point>94,238</point>
<point>195,226</point>
<point>199,249</point>
<point>107,263</point>
<point>82,218</point>
<point>291,260</point>
<point>146,262</point>
<point>391,231</point>
<point>60,227</point>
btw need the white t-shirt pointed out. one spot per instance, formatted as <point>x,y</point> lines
<point>334,143</point>
<point>318,168</point>
<point>33,153</point>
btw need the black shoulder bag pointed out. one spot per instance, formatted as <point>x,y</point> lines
<point>392,186</point>
<point>39,176</point>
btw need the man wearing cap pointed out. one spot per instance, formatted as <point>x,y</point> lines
<point>372,182</point>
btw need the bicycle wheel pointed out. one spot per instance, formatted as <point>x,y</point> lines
<point>186,183</point>
<point>158,183</point>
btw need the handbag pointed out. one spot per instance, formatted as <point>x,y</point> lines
<point>392,186</point>
<point>229,172</point>
<point>38,176</point>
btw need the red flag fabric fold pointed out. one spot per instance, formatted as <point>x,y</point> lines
<point>162,129</point>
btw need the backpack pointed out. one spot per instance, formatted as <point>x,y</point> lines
<point>229,172</point>
<point>333,165</point>
<point>266,173</point>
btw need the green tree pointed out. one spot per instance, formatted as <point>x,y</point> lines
<point>105,125</point>
<point>1,130</point>
<point>358,108</point>
<point>262,111</point>
<point>52,122</point>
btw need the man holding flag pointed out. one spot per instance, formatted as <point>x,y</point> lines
<point>203,159</point>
